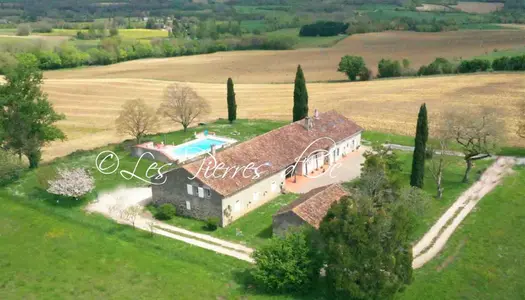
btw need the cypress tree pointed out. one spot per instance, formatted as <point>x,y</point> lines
<point>300,96</point>
<point>232,105</point>
<point>418,160</point>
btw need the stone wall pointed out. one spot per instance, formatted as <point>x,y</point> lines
<point>175,191</point>
<point>281,222</point>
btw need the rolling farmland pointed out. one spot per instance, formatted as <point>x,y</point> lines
<point>319,64</point>
<point>91,105</point>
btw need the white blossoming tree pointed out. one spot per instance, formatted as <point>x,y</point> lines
<point>72,183</point>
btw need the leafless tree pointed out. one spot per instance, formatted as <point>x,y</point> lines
<point>440,160</point>
<point>151,227</point>
<point>183,105</point>
<point>136,119</point>
<point>478,131</point>
<point>131,213</point>
<point>521,120</point>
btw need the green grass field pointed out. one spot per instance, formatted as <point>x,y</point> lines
<point>484,258</point>
<point>497,53</point>
<point>380,137</point>
<point>53,249</point>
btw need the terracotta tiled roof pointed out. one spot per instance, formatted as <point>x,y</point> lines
<point>313,206</point>
<point>271,152</point>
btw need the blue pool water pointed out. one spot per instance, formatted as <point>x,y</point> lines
<point>193,148</point>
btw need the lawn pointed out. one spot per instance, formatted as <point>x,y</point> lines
<point>484,258</point>
<point>453,188</point>
<point>51,247</point>
<point>253,229</point>
<point>381,137</point>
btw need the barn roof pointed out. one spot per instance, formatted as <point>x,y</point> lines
<point>313,206</point>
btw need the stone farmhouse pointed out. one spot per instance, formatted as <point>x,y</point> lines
<point>232,182</point>
<point>309,208</point>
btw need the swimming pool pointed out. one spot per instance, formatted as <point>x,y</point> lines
<point>196,147</point>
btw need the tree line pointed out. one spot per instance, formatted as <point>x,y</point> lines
<point>113,50</point>
<point>355,68</point>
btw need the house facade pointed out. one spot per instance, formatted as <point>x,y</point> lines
<point>240,178</point>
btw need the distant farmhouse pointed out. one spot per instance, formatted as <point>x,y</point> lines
<point>200,191</point>
<point>309,209</point>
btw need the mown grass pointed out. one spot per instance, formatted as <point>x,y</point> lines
<point>52,249</point>
<point>380,137</point>
<point>484,258</point>
<point>254,229</point>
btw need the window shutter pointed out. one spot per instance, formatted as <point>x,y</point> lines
<point>201,192</point>
<point>188,205</point>
<point>190,189</point>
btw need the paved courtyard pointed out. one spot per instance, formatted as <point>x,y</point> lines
<point>344,170</point>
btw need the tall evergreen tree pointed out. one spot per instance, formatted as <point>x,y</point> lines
<point>418,160</point>
<point>300,96</point>
<point>232,105</point>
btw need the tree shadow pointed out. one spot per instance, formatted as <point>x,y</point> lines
<point>57,200</point>
<point>266,233</point>
<point>250,287</point>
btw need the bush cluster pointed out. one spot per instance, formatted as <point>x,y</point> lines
<point>212,223</point>
<point>505,63</point>
<point>165,212</point>
<point>324,28</point>
<point>10,167</point>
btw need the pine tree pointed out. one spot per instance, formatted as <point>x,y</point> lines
<point>418,160</point>
<point>232,105</point>
<point>300,96</point>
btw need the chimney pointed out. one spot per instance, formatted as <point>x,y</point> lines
<point>316,114</point>
<point>308,123</point>
<point>213,150</point>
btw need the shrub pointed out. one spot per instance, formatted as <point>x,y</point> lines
<point>286,264</point>
<point>475,65</point>
<point>10,167</point>
<point>438,66</point>
<point>23,30</point>
<point>42,27</point>
<point>7,61</point>
<point>48,60</point>
<point>165,212</point>
<point>389,68</point>
<point>212,223</point>
<point>323,28</point>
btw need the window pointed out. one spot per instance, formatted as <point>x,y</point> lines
<point>237,206</point>
<point>188,205</point>
<point>274,186</point>
<point>201,192</point>
<point>207,192</point>
<point>190,189</point>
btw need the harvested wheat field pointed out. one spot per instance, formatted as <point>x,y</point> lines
<point>318,64</point>
<point>91,105</point>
